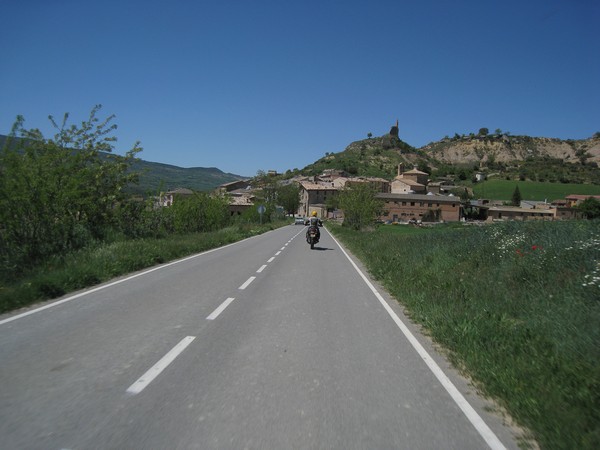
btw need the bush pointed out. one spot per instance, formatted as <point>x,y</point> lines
<point>59,194</point>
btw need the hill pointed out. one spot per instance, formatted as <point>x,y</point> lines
<point>522,158</point>
<point>156,177</point>
<point>505,149</point>
<point>374,157</point>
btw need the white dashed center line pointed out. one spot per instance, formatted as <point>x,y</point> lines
<point>161,365</point>
<point>247,283</point>
<point>220,309</point>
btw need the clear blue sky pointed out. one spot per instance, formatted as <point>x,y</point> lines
<point>258,85</point>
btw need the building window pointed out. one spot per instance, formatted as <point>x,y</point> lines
<point>412,203</point>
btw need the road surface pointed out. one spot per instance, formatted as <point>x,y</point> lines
<point>262,344</point>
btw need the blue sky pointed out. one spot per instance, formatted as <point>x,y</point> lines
<point>258,85</point>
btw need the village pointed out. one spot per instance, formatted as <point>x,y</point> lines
<point>410,197</point>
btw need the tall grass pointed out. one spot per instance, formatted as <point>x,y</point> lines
<point>95,264</point>
<point>516,304</point>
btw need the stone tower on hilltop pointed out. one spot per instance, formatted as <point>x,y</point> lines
<point>391,140</point>
<point>394,130</point>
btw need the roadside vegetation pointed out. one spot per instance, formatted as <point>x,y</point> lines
<point>67,222</point>
<point>103,261</point>
<point>359,204</point>
<point>517,306</point>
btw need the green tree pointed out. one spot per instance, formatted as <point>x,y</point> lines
<point>483,132</point>
<point>288,196</point>
<point>516,197</point>
<point>360,205</point>
<point>198,213</point>
<point>424,167</point>
<point>58,194</point>
<point>269,190</point>
<point>332,202</point>
<point>590,207</point>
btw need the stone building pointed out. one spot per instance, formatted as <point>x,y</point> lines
<point>414,181</point>
<point>405,207</point>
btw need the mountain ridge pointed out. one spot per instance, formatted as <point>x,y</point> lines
<point>156,177</point>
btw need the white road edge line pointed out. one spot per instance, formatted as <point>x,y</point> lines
<point>220,309</point>
<point>484,431</point>
<point>104,286</point>
<point>263,267</point>
<point>161,365</point>
<point>247,283</point>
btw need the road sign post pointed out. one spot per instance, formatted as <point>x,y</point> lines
<point>261,211</point>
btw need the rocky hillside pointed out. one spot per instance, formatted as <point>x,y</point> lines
<point>506,149</point>
<point>375,157</point>
<point>510,157</point>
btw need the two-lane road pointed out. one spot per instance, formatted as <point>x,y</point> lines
<point>262,344</point>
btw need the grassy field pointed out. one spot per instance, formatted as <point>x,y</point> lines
<point>517,306</point>
<point>531,190</point>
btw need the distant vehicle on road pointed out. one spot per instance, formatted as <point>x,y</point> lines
<point>299,221</point>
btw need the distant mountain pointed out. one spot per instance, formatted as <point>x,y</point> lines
<point>156,177</point>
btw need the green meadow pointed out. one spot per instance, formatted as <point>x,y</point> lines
<point>531,190</point>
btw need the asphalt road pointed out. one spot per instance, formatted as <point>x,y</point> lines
<point>263,344</point>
